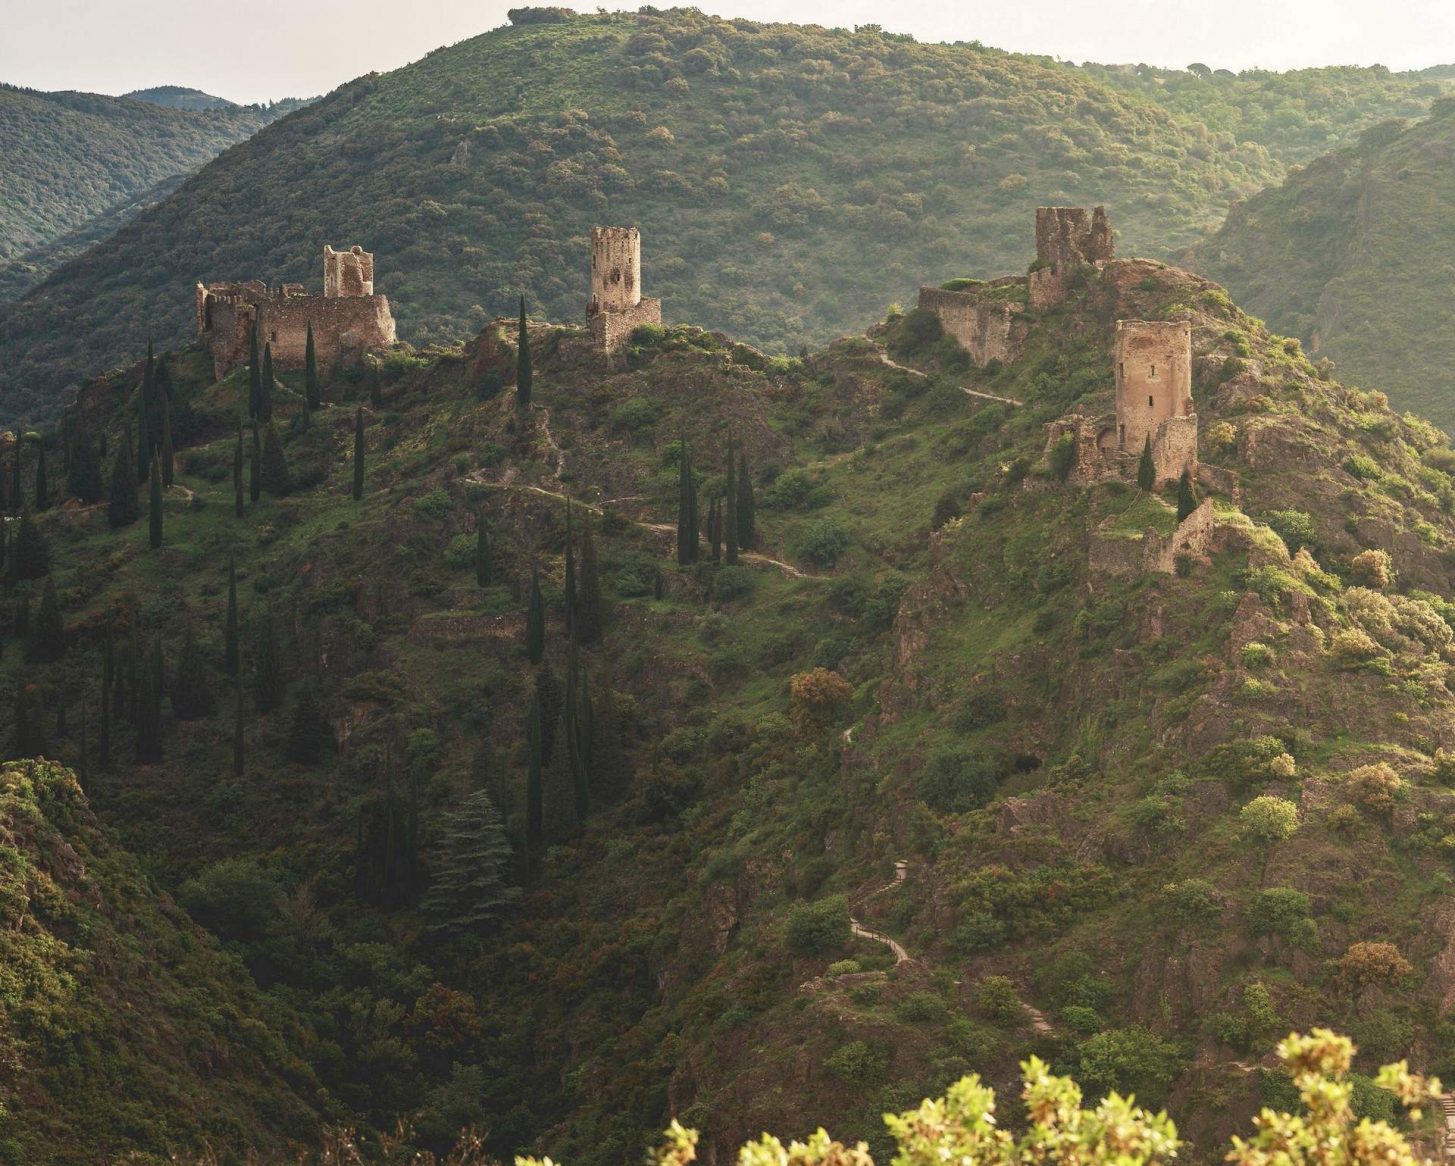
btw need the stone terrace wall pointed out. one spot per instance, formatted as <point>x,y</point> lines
<point>987,330</point>
<point>1174,448</point>
<point>611,330</point>
<point>1111,555</point>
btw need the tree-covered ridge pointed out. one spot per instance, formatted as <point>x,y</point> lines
<point>66,158</point>
<point>1147,821</point>
<point>789,181</point>
<point>1295,116</point>
<point>1340,255</point>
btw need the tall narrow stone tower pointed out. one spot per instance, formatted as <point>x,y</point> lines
<point>347,273</point>
<point>617,307</point>
<point>1065,239</point>
<point>1154,393</point>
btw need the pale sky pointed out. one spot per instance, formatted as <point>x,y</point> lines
<point>259,49</point>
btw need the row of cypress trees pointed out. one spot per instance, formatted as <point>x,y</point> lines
<point>732,518</point>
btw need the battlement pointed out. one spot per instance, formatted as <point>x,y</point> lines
<point>346,320</point>
<point>1066,239</point>
<point>617,307</point>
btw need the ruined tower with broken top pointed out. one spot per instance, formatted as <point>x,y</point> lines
<point>1066,241</point>
<point>617,307</point>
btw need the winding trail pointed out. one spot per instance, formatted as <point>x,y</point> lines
<point>901,869</point>
<point>914,372</point>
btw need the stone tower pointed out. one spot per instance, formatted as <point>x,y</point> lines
<point>1154,393</point>
<point>617,307</point>
<point>348,273</point>
<point>1065,240</point>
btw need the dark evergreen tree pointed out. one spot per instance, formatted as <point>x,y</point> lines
<point>590,606</point>
<point>255,467</point>
<point>376,387</point>
<point>535,622</point>
<point>686,508</point>
<point>83,475</point>
<point>16,500</point>
<point>22,617</point>
<point>42,487</point>
<point>265,414</point>
<point>238,507</point>
<point>30,556</point>
<point>1147,468</point>
<point>47,639</point>
<point>1186,496</point>
<point>577,760</point>
<point>553,702</point>
<point>310,737</point>
<point>255,376</point>
<point>277,481</point>
<point>267,666</point>
<point>570,581</point>
<point>154,509</point>
<point>149,718</point>
<point>484,568</point>
<point>747,508</point>
<point>27,736</point>
<point>312,391</point>
<point>237,726</point>
<point>730,509</point>
<point>134,669</point>
<point>121,505</point>
<point>166,450</point>
<point>108,682</point>
<point>534,815</point>
<point>470,887</point>
<point>522,362</point>
<point>358,453</point>
<point>230,643</point>
<point>714,530</point>
<point>191,688</point>
<point>146,438</point>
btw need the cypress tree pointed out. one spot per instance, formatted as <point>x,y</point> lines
<point>470,885</point>
<point>17,491</point>
<point>535,622</point>
<point>133,673</point>
<point>376,387</point>
<point>570,584</point>
<point>686,530</point>
<point>553,703</point>
<point>47,639</point>
<point>191,689</point>
<point>83,475</point>
<point>22,617</point>
<point>694,518</point>
<point>1146,468</point>
<point>522,362</point>
<point>730,509</point>
<point>121,505</point>
<point>255,375</point>
<point>310,738</point>
<point>255,467</point>
<point>154,511</point>
<point>1186,496</point>
<point>483,566</point>
<point>714,530</point>
<point>230,647</point>
<point>266,412</point>
<point>267,667</point>
<point>747,508</point>
<point>42,488</point>
<point>108,679</point>
<point>237,728</point>
<point>146,440</point>
<point>312,393</point>
<point>25,737</point>
<point>149,719</point>
<point>358,453</point>
<point>30,557</point>
<point>167,449</point>
<point>580,779</point>
<point>238,508</point>
<point>276,479</point>
<point>590,613</point>
<point>533,807</point>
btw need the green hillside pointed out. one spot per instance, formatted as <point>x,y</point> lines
<point>180,97</point>
<point>68,158</point>
<point>123,1028</point>
<point>790,182</point>
<point>1346,255</point>
<point>1148,821</point>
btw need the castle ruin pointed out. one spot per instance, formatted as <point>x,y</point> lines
<point>617,307</point>
<point>1066,241</point>
<point>348,319</point>
<point>1154,394</point>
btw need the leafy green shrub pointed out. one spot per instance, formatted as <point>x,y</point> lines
<point>1191,900</point>
<point>731,583</point>
<point>1257,656</point>
<point>235,897</point>
<point>1282,911</point>
<point>819,926</point>
<point>1295,528</point>
<point>956,779</point>
<point>859,1063</point>
<point>843,968</point>
<point>1081,1020</point>
<point>1063,456</point>
<point>921,1008</point>
<point>1268,819</point>
<point>981,708</point>
<point>998,1000</point>
<point>1130,1061</point>
<point>435,504</point>
<point>796,489</point>
<point>460,552</point>
<point>1363,467</point>
<point>635,416</point>
<point>979,931</point>
<point>822,543</point>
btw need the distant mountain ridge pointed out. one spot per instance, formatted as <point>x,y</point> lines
<point>180,97</point>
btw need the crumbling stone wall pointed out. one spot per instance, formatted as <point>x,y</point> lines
<point>987,329</point>
<point>346,320</point>
<point>617,307</point>
<point>348,273</point>
<point>1065,240</point>
<point>1113,554</point>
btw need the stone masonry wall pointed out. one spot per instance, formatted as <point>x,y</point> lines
<point>1066,238</point>
<point>1153,370</point>
<point>985,329</point>
<point>611,330</point>
<point>616,269</point>
<point>343,328</point>
<point>348,273</point>
<point>1113,555</point>
<point>1174,448</point>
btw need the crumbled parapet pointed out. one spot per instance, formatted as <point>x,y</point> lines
<point>617,307</point>
<point>1066,240</point>
<point>987,327</point>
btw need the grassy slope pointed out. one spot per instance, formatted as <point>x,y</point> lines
<point>124,1027</point>
<point>1341,255</point>
<point>790,182</point>
<point>647,970</point>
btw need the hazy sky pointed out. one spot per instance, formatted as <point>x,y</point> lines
<point>259,49</point>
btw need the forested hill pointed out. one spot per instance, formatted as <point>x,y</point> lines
<point>789,181</point>
<point>67,158</point>
<point>1346,255</point>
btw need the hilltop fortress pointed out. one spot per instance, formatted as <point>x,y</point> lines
<point>347,319</point>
